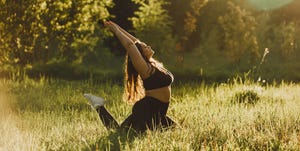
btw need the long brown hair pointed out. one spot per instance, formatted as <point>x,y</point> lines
<point>133,83</point>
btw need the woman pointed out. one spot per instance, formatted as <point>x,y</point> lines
<point>146,80</point>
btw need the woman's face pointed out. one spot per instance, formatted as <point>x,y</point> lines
<point>147,51</point>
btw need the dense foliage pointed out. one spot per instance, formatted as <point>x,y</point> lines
<point>229,35</point>
<point>39,32</point>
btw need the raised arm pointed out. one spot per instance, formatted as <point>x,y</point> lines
<point>126,33</point>
<point>127,41</point>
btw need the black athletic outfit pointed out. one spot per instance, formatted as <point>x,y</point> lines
<point>147,113</point>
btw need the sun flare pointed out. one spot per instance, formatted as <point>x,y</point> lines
<point>269,4</point>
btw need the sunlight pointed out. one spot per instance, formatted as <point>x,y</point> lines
<point>269,4</point>
<point>4,105</point>
<point>13,134</point>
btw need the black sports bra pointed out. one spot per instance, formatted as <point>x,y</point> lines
<point>158,79</point>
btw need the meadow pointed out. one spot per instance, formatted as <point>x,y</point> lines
<point>48,114</point>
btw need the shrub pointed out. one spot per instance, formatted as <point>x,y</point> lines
<point>246,96</point>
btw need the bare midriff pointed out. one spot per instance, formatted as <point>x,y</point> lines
<point>163,94</point>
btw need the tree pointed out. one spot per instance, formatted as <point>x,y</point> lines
<point>153,25</point>
<point>187,25</point>
<point>38,31</point>
<point>285,39</point>
<point>122,11</point>
<point>239,33</point>
<point>19,27</point>
<point>191,17</point>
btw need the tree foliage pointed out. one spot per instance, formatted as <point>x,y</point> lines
<point>191,17</point>
<point>47,32</point>
<point>285,39</point>
<point>239,33</point>
<point>152,24</point>
<point>38,31</point>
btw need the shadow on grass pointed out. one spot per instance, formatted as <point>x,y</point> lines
<point>121,139</point>
<point>115,140</point>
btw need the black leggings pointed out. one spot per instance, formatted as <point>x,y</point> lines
<point>147,113</point>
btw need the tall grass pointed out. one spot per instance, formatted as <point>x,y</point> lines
<point>53,115</point>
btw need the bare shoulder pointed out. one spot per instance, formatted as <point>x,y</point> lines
<point>150,70</point>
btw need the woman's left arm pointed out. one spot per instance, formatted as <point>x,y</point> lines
<point>137,59</point>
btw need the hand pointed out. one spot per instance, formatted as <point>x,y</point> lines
<point>113,27</point>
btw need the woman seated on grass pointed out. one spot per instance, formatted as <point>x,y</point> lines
<point>147,83</point>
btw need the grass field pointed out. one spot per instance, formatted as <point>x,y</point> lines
<point>53,115</point>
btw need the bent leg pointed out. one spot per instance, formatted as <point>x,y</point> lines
<point>106,118</point>
<point>150,113</point>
